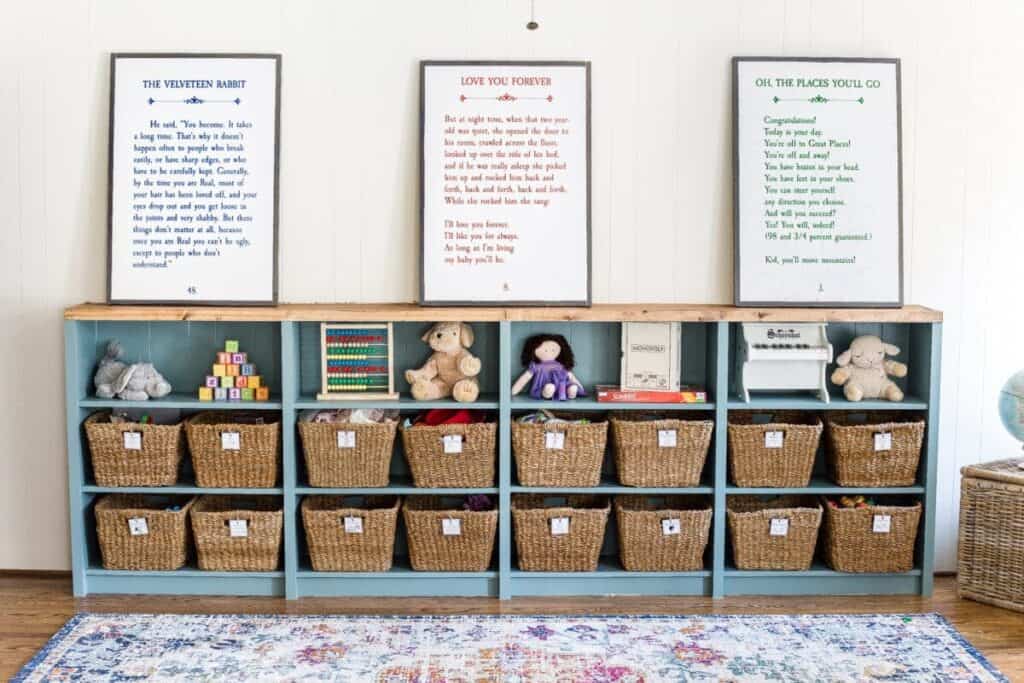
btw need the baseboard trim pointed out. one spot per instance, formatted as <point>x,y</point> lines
<point>35,573</point>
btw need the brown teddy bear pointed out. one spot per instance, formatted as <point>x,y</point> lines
<point>863,371</point>
<point>451,370</point>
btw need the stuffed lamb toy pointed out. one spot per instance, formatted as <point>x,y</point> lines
<point>864,372</point>
<point>135,382</point>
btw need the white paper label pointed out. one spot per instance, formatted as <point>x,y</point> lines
<point>353,525</point>
<point>137,526</point>
<point>346,439</point>
<point>666,438</point>
<point>559,526</point>
<point>451,527</point>
<point>453,443</point>
<point>773,439</point>
<point>670,527</point>
<point>882,524</point>
<point>230,441</point>
<point>779,527</point>
<point>554,440</point>
<point>132,441</point>
<point>238,528</point>
<point>883,441</point>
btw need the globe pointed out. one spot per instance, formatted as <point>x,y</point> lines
<point>1011,405</point>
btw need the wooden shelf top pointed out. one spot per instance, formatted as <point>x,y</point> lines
<point>415,312</point>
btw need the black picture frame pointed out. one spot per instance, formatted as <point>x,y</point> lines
<point>114,58</point>
<point>426,64</point>
<point>737,245</point>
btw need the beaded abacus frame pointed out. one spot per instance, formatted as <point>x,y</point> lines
<point>354,352</point>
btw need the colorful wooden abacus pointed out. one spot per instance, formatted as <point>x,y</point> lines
<point>233,378</point>
<point>357,362</point>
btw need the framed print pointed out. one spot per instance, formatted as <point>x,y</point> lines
<point>817,195</point>
<point>505,183</point>
<point>193,186</point>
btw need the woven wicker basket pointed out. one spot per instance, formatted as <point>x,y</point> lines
<point>156,463</point>
<point>365,464</point>
<point>644,545</point>
<point>333,547</point>
<point>430,549</point>
<point>258,550</point>
<point>163,546</point>
<point>753,545</point>
<point>253,465</point>
<point>576,551</point>
<point>990,560</point>
<point>751,463</point>
<point>641,461</point>
<point>853,460</point>
<point>852,545</point>
<point>577,463</point>
<point>433,468</point>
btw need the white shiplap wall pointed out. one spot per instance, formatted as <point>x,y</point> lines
<point>661,172</point>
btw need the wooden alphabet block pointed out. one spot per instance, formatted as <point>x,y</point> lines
<point>253,381</point>
<point>223,357</point>
<point>231,345</point>
<point>205,394</point>
<point>239,358</point>
<point>231,370</point>
<point>240,381</point>
<point>234,394</point>
<point>247,394</point>
<point>263,394</point>
<point>212,381</point>
<point>219,370</point>
<point>220,394</point>
<point>227,382</point>
<point>248,369</point>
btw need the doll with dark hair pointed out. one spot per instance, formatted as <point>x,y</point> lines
<point>549,362</point>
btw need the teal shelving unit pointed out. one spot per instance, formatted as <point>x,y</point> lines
<point>284,342</point>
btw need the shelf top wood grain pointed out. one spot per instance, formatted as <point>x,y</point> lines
<point>415,312</point>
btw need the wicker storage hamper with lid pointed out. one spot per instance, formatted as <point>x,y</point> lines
<point>577,549</point>
<point>752,460</point>
<point>432,549</point>
<point>990,559</point>
<point>574,461</point>
<point>661,452</point>
<point>662,533</point>
<point>143,532</point>
<point>861,540</point>
<point>257,550</point>
<point>754,546</point>
<point>366,463</point>
<point>350,533</point>
<point>253,465</point>
<point>882,450</point>
<point>472,466</point>
<point>154,463</point>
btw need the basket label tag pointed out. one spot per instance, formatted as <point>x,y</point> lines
<point>882,524</point>
<point>451,527</point>
<point>779,527</point>
<point>137,526</point>
<point>453,443</point>
<point>670,527</point>
<point>559,526</point>
<point>238,528</point>
<point>353,525</point>
<point>346,439</point>
<point>554,441</point>
<point>773,439</point>
<point>132,441</point>
<point>667,438</point>
<point>230,441</point>
<point>883,441</point>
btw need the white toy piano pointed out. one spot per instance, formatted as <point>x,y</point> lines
<point>785,357</point>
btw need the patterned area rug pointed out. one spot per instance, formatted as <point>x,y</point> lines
<point>113,647</point>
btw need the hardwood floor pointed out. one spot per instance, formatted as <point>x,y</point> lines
<point>33,607</point>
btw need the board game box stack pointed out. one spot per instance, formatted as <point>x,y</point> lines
<point>356,362</point>
<point>233,378</point>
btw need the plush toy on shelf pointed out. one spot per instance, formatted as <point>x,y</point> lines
<point>135,382</point>
<point>864,372</point>
<point>549,362</point>
<point>451,370</point>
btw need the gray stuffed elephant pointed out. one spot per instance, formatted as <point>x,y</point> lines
<point>135,382</point>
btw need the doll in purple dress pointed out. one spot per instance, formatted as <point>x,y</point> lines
<point>548,361</point>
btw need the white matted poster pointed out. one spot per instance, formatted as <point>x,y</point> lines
<point>505,173</point>
<point>193,178</point>
<point>818,216</point>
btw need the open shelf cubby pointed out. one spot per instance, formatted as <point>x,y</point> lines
<point>284,342</point>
